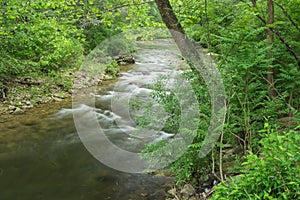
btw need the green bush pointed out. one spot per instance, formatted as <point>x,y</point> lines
<point>9,66</point>
<point>273,174</point>
<point>113,69</point>
<point>38,35</point>
<point>170,103</point>
<point>189,167</point>
<point>63,53</point>
<point>95,34</point>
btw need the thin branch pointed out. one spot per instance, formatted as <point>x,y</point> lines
<point>221,159</point>
<point>213,162</point>
<point>238,137</point>
<point>287,45</point>
<point>254,3</point>
<point>125,5</point>
<point>213,165</point>
<point>287,15</point>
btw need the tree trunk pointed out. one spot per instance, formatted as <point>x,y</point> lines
<point>272,91</point>
<point>203,65</point>
<point>277,34</point>
<point>185,46</point>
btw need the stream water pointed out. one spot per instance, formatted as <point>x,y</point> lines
<point>42,157</point>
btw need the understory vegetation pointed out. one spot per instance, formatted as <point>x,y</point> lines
<point>272,174</point>
<point>44,44</point>
<point>255,45</point>
<point>258,59</point>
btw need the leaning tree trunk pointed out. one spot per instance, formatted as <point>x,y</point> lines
<point>203,65</point>
<point>185,46</point>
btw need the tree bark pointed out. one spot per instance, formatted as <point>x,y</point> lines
<point>203,65</point>
<point>187,49</point>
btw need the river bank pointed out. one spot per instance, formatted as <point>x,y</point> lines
<point>42,145</point>
<point>60,131</point>
<point>20,94</point>
<point>24,93</point>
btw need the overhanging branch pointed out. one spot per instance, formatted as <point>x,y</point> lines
<point>125,5</point>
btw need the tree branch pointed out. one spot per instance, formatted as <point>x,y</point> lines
<point>125,5</point>
<point>287,15</point>
<point>287,45</point>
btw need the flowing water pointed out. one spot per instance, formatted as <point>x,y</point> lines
<point>42,157</point>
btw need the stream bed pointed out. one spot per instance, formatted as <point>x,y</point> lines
<point>42,156</point>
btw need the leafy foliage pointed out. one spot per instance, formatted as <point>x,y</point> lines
<point>41,36</point>
<point>274,174</point>
<point>245,56</point>
<point>113,69</point>
<point>189,167</point>
<point>236,32</point>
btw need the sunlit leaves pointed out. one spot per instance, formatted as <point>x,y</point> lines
<point>30,29</point>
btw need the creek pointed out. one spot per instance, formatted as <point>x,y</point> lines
<point>42,156</point>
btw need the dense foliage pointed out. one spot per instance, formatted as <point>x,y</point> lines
<point>258,59</point>
<point>44,36</point>
<point>260,67</point>
<point>38,35</point>
<point>274,174</point>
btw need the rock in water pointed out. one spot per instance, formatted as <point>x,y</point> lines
<point>18,111</point>
<point>124,59</point>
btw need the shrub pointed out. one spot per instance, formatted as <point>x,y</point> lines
<point>113,69</point>
<point>189,167</point>
<point>63,53</point>
<point>274,174</point>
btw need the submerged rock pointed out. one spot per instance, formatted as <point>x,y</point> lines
<point>29,122</point>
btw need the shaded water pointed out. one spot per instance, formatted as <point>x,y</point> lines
<point>42,157</point>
